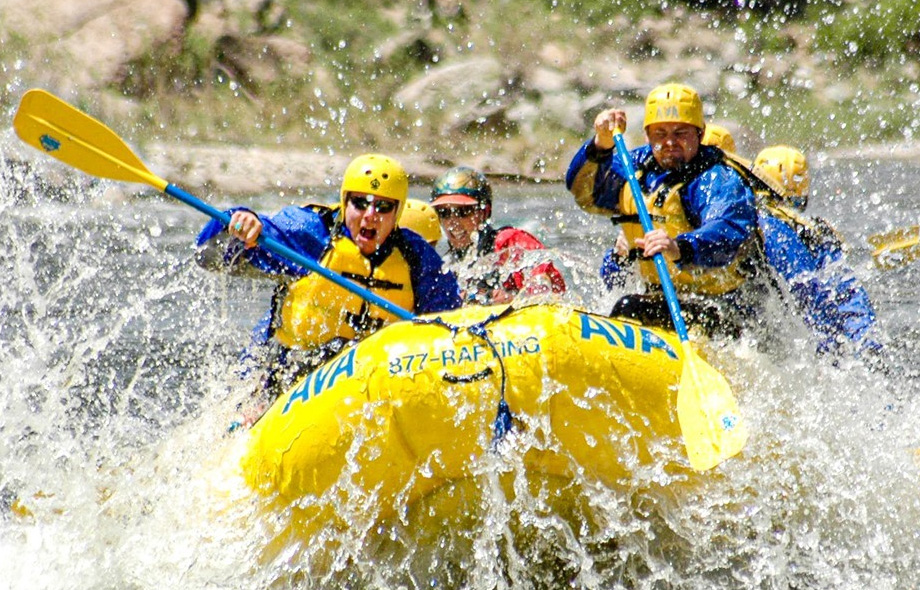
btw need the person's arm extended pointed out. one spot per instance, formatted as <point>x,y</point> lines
<point>299,229</point>
<point>594,180</point>
<point>832,301</point>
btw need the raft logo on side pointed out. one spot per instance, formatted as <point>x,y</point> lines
<point>323,378</point>
<point>49,143</point>
<point>459,355</point>
<point>620,334</point>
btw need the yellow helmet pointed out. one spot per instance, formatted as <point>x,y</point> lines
<point>719,137</point>
<point>379,175</point>
<point>787,167</point>
<point>421,218</point>
<point>674,103</point>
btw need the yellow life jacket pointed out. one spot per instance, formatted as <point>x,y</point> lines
<point>313,310</point>
<point>667,212</point>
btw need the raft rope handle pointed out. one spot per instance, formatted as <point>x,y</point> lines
<point>503,418</point>
<point>478,376</point>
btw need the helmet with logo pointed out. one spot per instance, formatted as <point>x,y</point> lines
<point>461,186</point>
<point>788,169</point>
<point>377,175</point>
<point>421,218</point>
<point>719,137</point>
<point>674,103</point>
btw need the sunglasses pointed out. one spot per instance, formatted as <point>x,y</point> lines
<point>459,212</point>
<point>382,206</point>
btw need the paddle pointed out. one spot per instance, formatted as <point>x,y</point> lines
<point>46,122</point>
<point>897,247</point>
<point>706,409</point>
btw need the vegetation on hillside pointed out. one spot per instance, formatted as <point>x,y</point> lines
<point>190,93</point>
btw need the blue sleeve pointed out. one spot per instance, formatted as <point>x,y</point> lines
<point>595,179</point>
<point>578,162</point>
<point>259,338</point>
<point>828,253</point>
<point>300,229</point>
<point>720,205</point>
<point>435,289</point>
<point>784,249</point>
<point>853,304</point>
<point>856,308</point>
<point>844,309</point>
<point>834,303</point>
<point>612,271</point>
<point>213,228</point>
<point>838,311</point>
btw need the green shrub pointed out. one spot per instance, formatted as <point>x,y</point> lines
<point>873,31</point>
<point>185,91</point>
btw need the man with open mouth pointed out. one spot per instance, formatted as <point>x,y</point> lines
<point>311,319</point>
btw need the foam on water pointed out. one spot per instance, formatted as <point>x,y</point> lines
<point>116,470</point>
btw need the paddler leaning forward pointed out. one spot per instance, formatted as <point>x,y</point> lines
<point>702,209</point>
<point>310,317</point>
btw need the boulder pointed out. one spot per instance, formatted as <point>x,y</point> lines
<point>611,75</point>
<point>474,93</point>
<point>263,60</point>
<point>87,43</point>
<point>244,170</point>
<point>455,86</point>
<point>543,80</point>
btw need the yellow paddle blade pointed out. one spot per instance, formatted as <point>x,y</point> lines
<point>897,247</point>
<point>883,239</point>
<point>62,131</point>
<point>708,414</point>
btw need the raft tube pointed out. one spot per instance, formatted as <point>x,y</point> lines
<point>402,413</point>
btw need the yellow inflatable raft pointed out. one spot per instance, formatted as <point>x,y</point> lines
<point>402,413</point>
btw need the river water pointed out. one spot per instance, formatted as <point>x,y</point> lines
<point>116,470</point>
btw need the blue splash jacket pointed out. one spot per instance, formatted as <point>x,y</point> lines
<point>306,232</point>
<point>834,304</point>
<point>717,202</point>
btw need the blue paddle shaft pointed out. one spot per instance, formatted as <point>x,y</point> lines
<point>670,294</point>
<point>282,250</point>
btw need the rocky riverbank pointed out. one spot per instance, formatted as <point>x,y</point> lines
<point>512,106</point>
